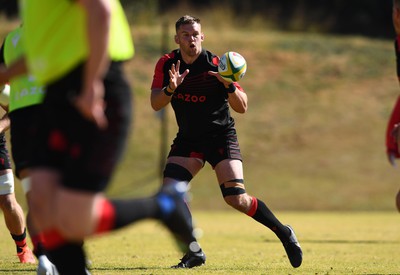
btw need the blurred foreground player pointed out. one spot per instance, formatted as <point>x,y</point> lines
<point>14,216</point>
<point>83,128</point>
<point>23,111</point>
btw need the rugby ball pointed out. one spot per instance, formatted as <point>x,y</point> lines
<point>232,66</point>
<point>4,94</point>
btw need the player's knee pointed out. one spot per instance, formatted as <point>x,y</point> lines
<point>7,197</point>
<point>7,203</point>
<point>238,202</point>
<point>229,190</point>
<point>72,231</point>
<point>177,172</point>
<point>234,195</point>
<point>75,226</point>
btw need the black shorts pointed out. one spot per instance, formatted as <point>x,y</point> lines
<point>85,155</point>
<point>212,150</point>
<point>5,162</point>
<point>23,131</point>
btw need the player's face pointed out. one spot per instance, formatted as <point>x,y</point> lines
<point>189,38</point>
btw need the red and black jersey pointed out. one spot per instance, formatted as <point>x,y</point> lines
<point>201,101</point>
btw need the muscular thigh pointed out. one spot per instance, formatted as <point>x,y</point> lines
<point>193,165</point>
<point>228,171</point>
<point>187,155</point>
<point>6,176</point>
<point>223,147</point>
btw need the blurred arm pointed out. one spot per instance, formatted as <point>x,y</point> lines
<point>5,120</point>
<point>98,26</point>
<point>16,69</point>
<point>90,102</point>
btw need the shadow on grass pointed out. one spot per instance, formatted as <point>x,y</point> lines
<point>342,241</point>
<point>13,270</point>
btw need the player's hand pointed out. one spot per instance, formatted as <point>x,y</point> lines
<point>91,104</point>
<point>217,75</point>
<point>175,78</point>
<point>3,75</point>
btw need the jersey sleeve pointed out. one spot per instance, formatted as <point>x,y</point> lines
<point>159,74</point>
<point>238,86</point>
<point>391,143</point>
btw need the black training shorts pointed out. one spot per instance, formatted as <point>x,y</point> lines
<point>4,156</point>
<point>23,131</point>
<point>85,155</point>
<point>213,150</point>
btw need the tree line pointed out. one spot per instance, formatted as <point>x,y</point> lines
<point>356,17</point>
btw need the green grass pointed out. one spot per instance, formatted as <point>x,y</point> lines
<point>333,243</point>
<point>313,136</point>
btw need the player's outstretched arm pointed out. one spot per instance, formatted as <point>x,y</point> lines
<point>160,97</point>
<point>238,101</point>
<point>16,69</point>
<point>90,102</point>
<point>4,123</point>
<point>237,98</point>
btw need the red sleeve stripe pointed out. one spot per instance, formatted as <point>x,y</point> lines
<point>158,77</point>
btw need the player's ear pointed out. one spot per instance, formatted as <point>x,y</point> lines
<point>176,39</point>
<point>202,36</point>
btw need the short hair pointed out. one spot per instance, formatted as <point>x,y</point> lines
<point>187,19</point>
<point>396,3</point>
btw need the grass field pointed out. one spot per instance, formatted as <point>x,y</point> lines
<point>313,136</point>
<point>333,243</point>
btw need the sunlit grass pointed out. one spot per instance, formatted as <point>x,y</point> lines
<point>313,136</point>
<point>332,242</point>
